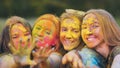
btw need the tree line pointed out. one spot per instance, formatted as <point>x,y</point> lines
<point>32,8</point>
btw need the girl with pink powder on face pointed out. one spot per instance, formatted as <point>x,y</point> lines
<point>46,33</point>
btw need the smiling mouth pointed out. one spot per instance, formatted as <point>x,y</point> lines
<point>68,42</point>
<point>91,38</point>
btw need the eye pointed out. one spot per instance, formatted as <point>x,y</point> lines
<point>27,33</point>
<point>95,25</point>
<point>38,28</point>
<point>75,30</point>
<point>84,27</point>
<point>63,29</point>
<point>48,32</point>
<point>14,36</point>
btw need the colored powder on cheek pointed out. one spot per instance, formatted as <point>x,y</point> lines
<point>51,42</point>
<point>16,44</point>
<point>47,42</point>
<point>40,44</point>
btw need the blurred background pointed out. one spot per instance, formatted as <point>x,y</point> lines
<point>31,9</point>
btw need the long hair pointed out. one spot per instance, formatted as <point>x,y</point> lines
<point>110,28</point>
<point>5,36</point>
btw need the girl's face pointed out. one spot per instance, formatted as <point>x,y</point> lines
<point>70,33</point>
<point>91,31</point>
<point>44,32</point>
<point>19,35</point>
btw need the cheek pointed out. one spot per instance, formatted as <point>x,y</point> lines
<point>15,42</point>
<point>62,35</point>
<point>83,34</point>
<point>50,39</point>
<point>76,36</point>
<point>98,33</point>
<point>34,31</point>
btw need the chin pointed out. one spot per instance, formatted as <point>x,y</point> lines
<point>67,48</point>
<point>90,46</point>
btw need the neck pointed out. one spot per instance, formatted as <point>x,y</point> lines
<point>103,49</point>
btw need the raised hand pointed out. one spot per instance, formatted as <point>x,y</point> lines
<point>22,53</point>
<point>72,59</point>
<point>42,53</point>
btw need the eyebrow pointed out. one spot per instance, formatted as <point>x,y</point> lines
<point>83,24</point>
<point>15,34</point>
<point>26,31</point>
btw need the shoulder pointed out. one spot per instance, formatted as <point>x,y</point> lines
<point>7,61</point>
<point>55,59</point>
<point>91,58</point>
<point>115,51</point>
<point>116,62</point>
<point>6,57</point>
<point>114,54</point>
<point>55,56</point>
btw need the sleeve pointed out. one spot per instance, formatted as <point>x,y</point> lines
<point>115,51</point>
<point>90,58</point>
<point>114,58</point>
<point>116,62</point>
<point>55,60</point>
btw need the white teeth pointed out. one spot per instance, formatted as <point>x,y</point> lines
<point>89,39</point>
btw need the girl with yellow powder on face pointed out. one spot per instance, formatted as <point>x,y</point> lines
<point>89,57</point>
<point>70,33</point>
<point>15,44</point>
<point>101,33</point>
<point>46,33</point>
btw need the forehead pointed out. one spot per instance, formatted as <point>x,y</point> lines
<point>45,23</point>
<point>18,26</point>
<point>71,21</point>
<point>89,18</point>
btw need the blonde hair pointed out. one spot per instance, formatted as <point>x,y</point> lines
<point>110,29</point>
<point>71,13</point>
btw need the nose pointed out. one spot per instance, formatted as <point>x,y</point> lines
<point>68,35</point>
<point>89,31</point>
<point>23,40</point>
<point>41,33</point>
